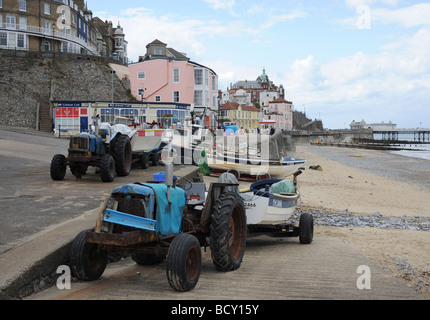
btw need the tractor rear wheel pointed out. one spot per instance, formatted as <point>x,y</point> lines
<point>58,167</point>
<point>122,155</point>
<point>184,262</point>
<point>107,168</point>
<point>228,232</point>
<point>87,261</point>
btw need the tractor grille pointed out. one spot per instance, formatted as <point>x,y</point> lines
<point>79,143</point>
<point>133,206</point>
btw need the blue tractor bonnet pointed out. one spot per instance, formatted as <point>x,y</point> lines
<point>168,217</point>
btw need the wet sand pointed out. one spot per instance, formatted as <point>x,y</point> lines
<point>378,183</point>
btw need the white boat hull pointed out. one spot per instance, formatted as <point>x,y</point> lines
<point>276,169</point>
<point>270,209</point>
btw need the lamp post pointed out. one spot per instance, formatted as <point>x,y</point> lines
<point>113,72</point>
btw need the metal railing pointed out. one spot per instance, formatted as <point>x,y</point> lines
<point>49,33</point>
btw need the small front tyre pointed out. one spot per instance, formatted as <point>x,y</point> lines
<point>87,261</point>
<point>183,263</point>
<point>58,167</point>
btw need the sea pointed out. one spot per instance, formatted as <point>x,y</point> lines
<point>414,150</point>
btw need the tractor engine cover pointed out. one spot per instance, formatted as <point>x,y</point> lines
<point>168,216</point>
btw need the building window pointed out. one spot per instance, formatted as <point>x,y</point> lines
<point>214,83</point>
<point>141,75</point>
<point>47,8</point>
<point>21,41</point>
<point>47,28</point>
<point>206,78</point>
<point>157,98</point>
<point>10,22</point>
<point>175,75</point>
<point>1,4</point>
<point>23,23</point>
<point>22,5</point>
<point>175,96</point>
<point>3,39</point>
<point>198,77</point>
<point>158,52</point>
<point>198,98</point>
<point>47,46</point>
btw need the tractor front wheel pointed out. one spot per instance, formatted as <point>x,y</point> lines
<point>58,167</point>
<point>184,262</point>
<point>87,261</point>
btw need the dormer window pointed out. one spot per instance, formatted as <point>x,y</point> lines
<point>158,52</point>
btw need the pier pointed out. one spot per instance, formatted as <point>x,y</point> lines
<point>420,135</point>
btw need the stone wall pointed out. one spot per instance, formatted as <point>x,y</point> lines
<point>25,82</point>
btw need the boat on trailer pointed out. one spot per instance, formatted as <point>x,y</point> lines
<point>254,166</point>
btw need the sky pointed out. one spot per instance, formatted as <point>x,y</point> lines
<point>338,60</point>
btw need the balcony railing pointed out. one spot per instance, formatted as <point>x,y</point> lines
<point>49,33</point>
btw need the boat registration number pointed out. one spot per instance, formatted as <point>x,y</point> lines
<point>250,205</point>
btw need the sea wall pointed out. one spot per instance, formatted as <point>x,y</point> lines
<point>26,83</point>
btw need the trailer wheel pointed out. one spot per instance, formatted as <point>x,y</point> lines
<point>155,159</point>
<point>87,261</point>
<point>306,228</point>
<point>144,161</point>
<point>235,173</point>
<point>263,176</point>
<point>122,155</point>
<point>58,167</point>
<point>183,263</point>
<point>107,168</point>
<point>228,232</point>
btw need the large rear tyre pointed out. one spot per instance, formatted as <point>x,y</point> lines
<point>184,262</point>
<point>107,168</point>
<point>58,167</point>
<point>87,261</point>
<point>306,228</point>
<point>228,232</point>
<point>122,155</point>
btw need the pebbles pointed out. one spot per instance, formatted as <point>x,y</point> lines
<point>327,218</point>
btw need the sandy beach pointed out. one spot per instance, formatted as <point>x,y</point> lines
<point>375,184</point>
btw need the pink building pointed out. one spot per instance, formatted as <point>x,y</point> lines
<point>280,110</point>
<point>166,75</point>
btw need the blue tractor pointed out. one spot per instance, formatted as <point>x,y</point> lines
<point>109,151</point>
<point>156,221</point>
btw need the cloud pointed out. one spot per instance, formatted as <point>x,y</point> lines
<point>415,15</point>
<point>221,4</point>
<point>274,19</point>
<point>379,87</point>
<point>357,3</point>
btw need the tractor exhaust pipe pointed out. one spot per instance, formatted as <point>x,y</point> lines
<point>169,171</point>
